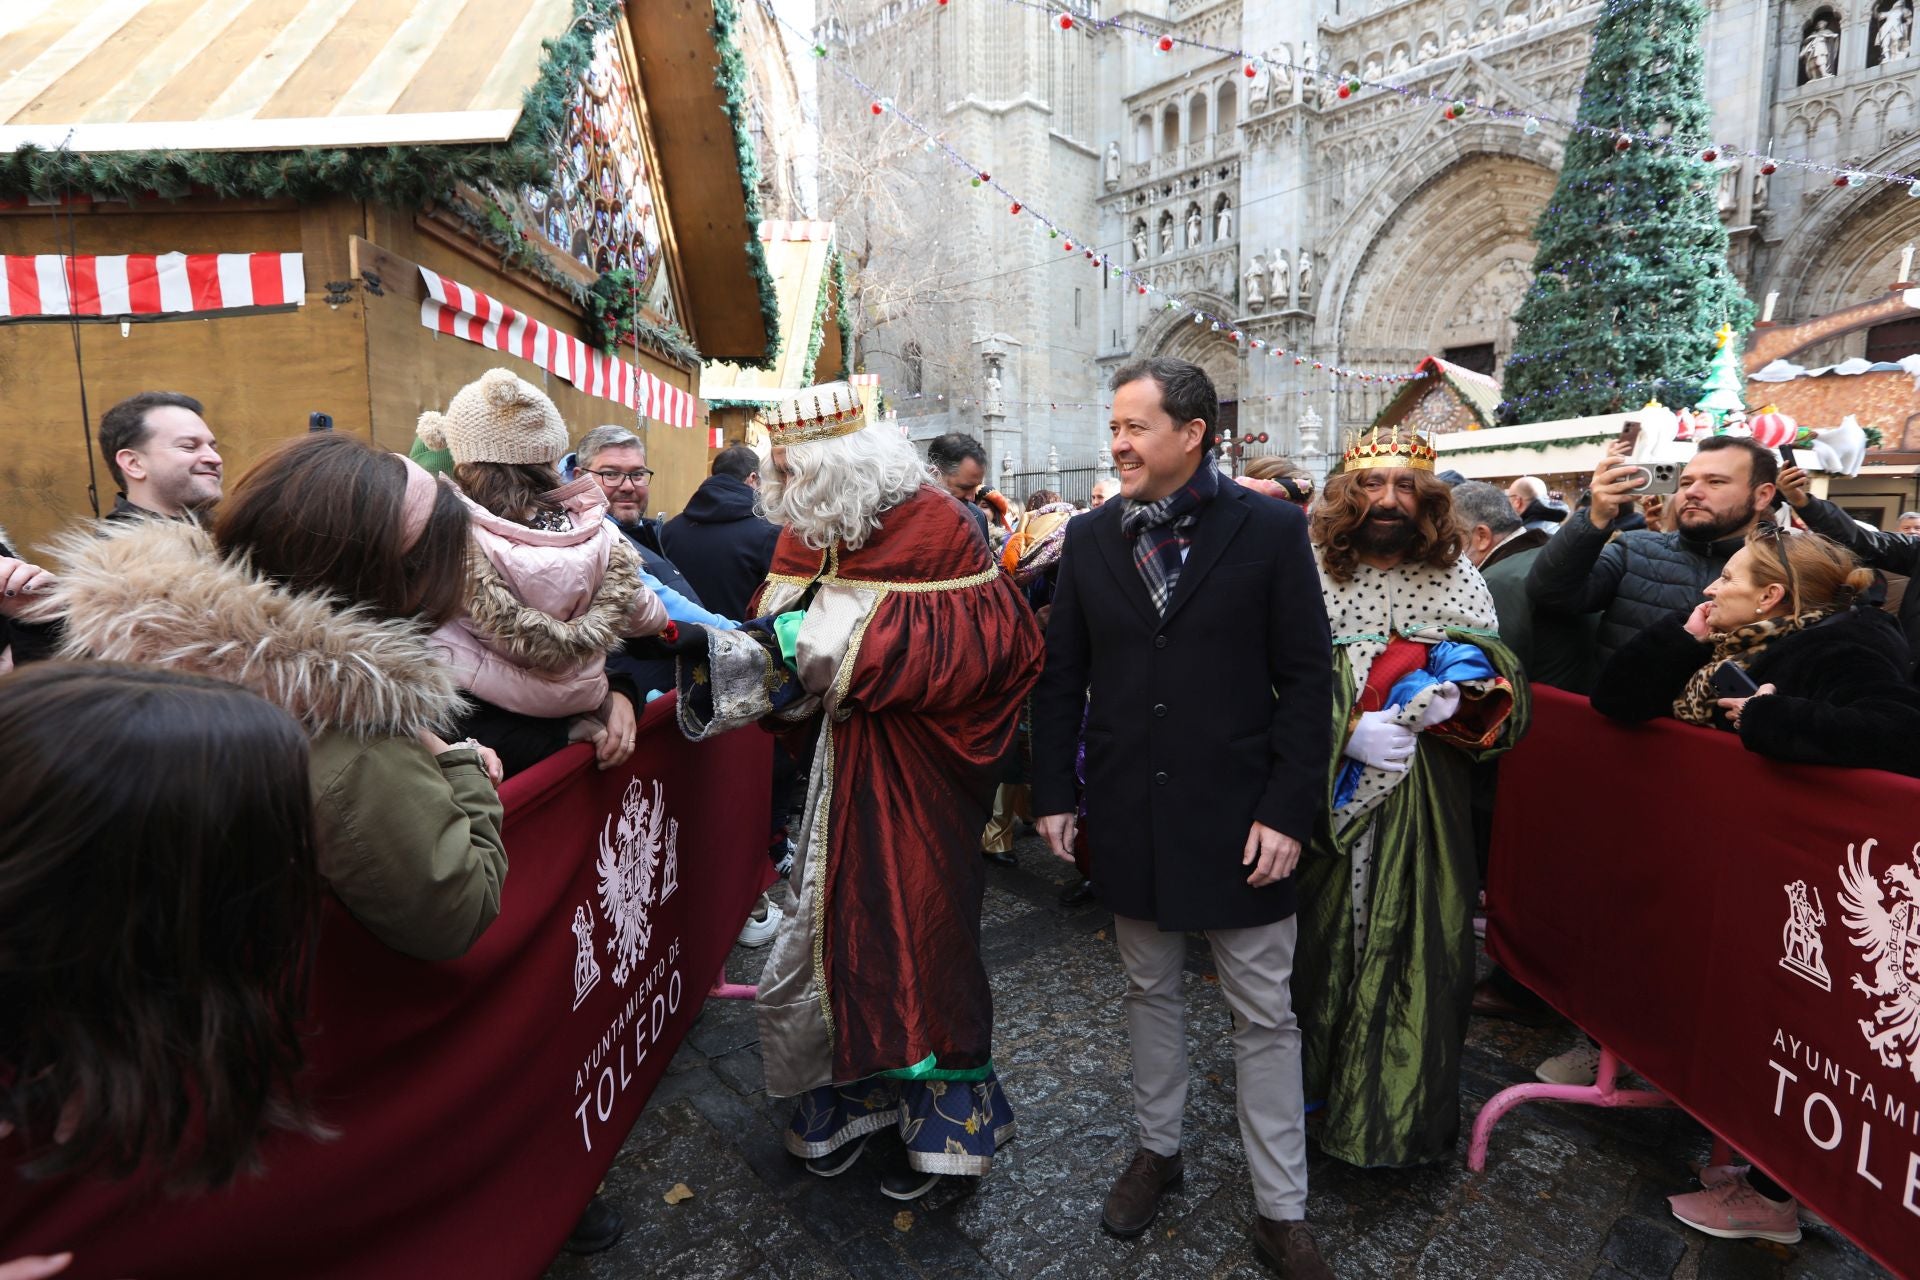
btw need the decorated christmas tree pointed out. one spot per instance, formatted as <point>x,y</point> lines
<point>1726,388</point>
<point>1630,281</point>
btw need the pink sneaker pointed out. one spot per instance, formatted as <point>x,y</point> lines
<point>1719,1175</point>
<point>1735,1211</point>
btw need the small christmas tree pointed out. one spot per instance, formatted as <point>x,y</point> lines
<point>1726,379</point>
<point>1630,280</point>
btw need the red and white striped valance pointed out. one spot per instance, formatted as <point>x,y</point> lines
<point>775,229</point>
<point>148,284</point>
<point>454,308</point>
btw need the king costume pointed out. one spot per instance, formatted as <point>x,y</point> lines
<point>1384,978</point>
<point>900,667</point>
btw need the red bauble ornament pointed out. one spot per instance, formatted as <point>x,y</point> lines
<point>1015,209</point>
<point>1622,142</point>
<point>877,108</point>
<point>1344,92</point>
<point>1251,73</point>
<point>1066,22</point>
<point>1318,365</point>
<point>985,176</point>
<point>1068,246</point>
<point>1768,166</point>
<point>1841,181</point>
<point>1143,291</point>
<point>1448,113</point>
<point>1166,44</point>
<point>1709,155</point>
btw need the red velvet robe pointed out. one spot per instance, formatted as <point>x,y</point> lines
<point>920,652</point>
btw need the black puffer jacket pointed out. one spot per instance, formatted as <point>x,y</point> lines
<point>1632,580</point>
<point>1893,552</point>
<point>1842,693</point>
<point>721,545</point>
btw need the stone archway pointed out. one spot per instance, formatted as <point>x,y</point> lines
<point>1848,255</point>
<point>1446,271</point>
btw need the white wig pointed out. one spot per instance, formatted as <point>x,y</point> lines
<point>835,490</point>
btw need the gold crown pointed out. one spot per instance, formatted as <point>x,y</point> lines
<point>1395,449</point>
<point>817,413</point>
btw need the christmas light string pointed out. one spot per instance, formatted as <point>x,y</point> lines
<point>1704,149</point>
<point>880,104</point>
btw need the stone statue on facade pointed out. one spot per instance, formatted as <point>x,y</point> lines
<point>1139,241</point>
<point>1760,182</point>
<point>1456,39</point>
<point>1306,279</point>
<point>1515,21</point>
<point>1727,196</point>
<point>1546,9</point>
<point>1278,59</point>
<point>1166,234</point>
<point>1484,30</point>
<point>1371,72</point>
<point>1252,285</point>
<point>1816,53</point>
<point>1113,165</point>
<point>1279,286</point>
<point>1195,228</point>
<point>993,404</point>
<point>1894,39</point>
<point>1429,49</point>
<point>1260,86</point>
<point>1399,61</point>
<point>1307,65</point>
<point>1223,222</point>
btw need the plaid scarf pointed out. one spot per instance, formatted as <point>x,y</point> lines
<point>1162,530</point>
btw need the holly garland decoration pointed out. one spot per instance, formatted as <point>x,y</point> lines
<point>1630,283</point>
<point>614,320</point>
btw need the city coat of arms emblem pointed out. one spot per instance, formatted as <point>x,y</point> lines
<point>1883,917</point>
<point>631,850</point>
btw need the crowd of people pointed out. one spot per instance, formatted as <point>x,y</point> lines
<point>1257,708</point>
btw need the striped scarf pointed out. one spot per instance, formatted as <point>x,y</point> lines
<point>1161,531</point>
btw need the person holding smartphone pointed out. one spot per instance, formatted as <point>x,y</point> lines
<point>1779,653</point>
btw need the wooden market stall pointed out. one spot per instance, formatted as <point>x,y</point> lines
<point>354,210</point>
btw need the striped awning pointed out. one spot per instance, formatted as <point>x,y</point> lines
<point>241,75</point>
<point>147,284</point>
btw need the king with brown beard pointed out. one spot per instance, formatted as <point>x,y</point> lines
<point>1422,689</point>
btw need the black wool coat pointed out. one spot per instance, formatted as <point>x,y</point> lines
<point>722,547</point>
<point>1843,696</point>
<point>1197,725</point>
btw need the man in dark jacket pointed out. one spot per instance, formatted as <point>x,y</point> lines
<point>1637,578</point>
<point>718,542</point>
<point>1504,550</point>
<point>1893,552</point>
<point>961,465</point>
<point>1187,620</point>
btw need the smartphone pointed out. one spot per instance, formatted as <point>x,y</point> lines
<point>1787,456</point>
<point>1630,436</point>
<point>319,422</point>
<point>1659,479</point>
<point>1730,680</point>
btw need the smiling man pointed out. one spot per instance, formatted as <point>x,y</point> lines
<point>161,454</point>
<point>1636,578</point>
<point>1187,626</point>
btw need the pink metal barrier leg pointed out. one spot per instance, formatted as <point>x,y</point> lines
<point>723,990</point>
<point>1601,1093</point>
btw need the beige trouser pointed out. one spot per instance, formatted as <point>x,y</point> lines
<point>1012,802</point>
<point>1254,967</point>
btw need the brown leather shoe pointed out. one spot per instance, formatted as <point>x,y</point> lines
<point>1289,1249</point>
<point>1135,1197</point>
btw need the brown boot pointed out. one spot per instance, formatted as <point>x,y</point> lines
<point>1135,1197</point>
<point>1289,1249</point>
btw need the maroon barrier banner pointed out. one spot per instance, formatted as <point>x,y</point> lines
<point>478,1102</point>
<point>1744,933</point>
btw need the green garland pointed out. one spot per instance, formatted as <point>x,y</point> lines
<point>732,402</point>
<point>843,316</point>
<point>817,337</point>
<point>614,320</point>
<point>1532,446</point>
<point>732,79</point>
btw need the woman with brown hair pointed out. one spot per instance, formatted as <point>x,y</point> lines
<point>553,587</point>
<point>315,589</point>
<point>1278,478</point>
<point>1781,653</point>
<point>158,904</point>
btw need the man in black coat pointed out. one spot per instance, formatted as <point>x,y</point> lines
<point>1187,622</point>
<point>718,542</point>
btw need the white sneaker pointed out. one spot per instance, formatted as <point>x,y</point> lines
<point>1579,1065</point>
<point>762,924</point>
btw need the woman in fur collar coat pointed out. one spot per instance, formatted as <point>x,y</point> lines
<point>553,588</point>
<point>311,591</point>
<point>1832,677</point>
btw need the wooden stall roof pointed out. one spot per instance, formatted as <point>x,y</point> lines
<point>1476,394</point>
<point>247,75</point>
<point>700,169</point>
<point>800,256</point>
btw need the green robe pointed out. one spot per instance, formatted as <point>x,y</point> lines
<point>1383,1030</point>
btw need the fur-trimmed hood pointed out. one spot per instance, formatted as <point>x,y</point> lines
<point>159,592</point>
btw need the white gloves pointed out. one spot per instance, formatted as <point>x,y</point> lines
<point>1376,740</point>
<point>1446,701</point>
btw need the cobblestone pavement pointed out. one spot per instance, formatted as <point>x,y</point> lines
<point>1569,1191</point>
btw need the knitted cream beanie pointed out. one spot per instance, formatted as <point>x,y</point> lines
<point>500,418</point>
